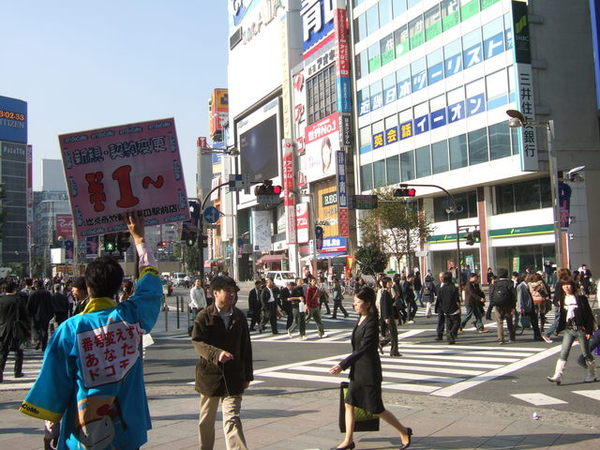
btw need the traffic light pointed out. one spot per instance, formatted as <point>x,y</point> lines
<point>194,211</point>
<point>123,242</point>
<point>162,244</point>
<point>405,191</point>
<point>204,241</point>
<point>477,236</point>
<point>469,238</point>
<point>267,188</point>
<point>110,244</point>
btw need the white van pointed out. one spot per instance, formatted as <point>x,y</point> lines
<point>178,278</point>
<point>281,277</point>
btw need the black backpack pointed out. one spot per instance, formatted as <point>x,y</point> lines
<point>502,293</point>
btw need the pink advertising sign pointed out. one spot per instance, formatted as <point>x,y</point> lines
<point>134,167</point>
<point>64,225</point>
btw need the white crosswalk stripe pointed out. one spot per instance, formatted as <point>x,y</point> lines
<point>538,399</point>
<point>32,362</point>
<point>422,368</point>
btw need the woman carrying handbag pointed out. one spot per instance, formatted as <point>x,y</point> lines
<point>365,376</point>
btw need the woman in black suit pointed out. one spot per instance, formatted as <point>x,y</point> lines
<point>364,390</point>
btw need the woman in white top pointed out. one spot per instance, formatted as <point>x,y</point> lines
<point>197,297</point>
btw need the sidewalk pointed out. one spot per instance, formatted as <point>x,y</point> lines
<point>295,419</point>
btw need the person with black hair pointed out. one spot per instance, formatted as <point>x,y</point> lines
<point>365,376</point>
<point>39,308</point>
<point>60,304</point>
<point>254,304</point>
<point>222,340</point>
<point>13,335</point>
<point>92,378</point>
<point>80,294</point>
<point>503,301</point>
<point>449,306</point>
<point>389,331</point>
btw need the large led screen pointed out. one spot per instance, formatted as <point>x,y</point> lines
<point>258,150</point>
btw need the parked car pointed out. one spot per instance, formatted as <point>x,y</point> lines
<point>281,277</point>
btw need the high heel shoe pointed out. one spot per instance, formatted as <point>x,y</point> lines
<point>350,446</point>
<point>409,431</point>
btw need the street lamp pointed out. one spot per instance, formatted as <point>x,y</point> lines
<point>518,120</point>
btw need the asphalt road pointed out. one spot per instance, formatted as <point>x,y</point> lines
<point>475,369</point>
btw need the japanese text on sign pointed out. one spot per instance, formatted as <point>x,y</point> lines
<point>124,168</point>
<point>108,353</point>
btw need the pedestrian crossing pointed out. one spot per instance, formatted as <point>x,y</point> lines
<point>32,363</point>
<point>541,399</point>
<point>441,370</point>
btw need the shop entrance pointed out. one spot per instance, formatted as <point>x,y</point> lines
<point>518,259</point>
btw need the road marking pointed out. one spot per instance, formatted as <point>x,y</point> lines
<point>32,363</point>
<point>593,394</point>
<point>459,387</point>
<point>538,399</point>
<point>404,361</point>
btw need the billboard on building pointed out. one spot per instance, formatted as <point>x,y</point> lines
<point>218,111</point>
<point>13,120</point>
<point>64,226</point>
<point>322,141</point>
<point>254,68</point>
<point>302,221</point>
<point>258,138</point>
<point>317,21</point>
<point>133,167</point>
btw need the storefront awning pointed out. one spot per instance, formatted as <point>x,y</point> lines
<point>271,258</point>
<point>330,255</point>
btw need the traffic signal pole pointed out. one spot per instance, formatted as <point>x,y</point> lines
<point>200,239</point>
<point>455,208</point>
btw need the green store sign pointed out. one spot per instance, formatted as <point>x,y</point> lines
<point>497,234</point>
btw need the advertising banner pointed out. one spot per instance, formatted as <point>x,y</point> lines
<point>322,140</point>
<point>302,219</point>
<point>342,188</point>
<point>289,200</point>
<point>564,205</point>
<point>91,247</point>
<point>326,211</point>
<point>29,197</point>
<point>218,111</point>
<point>64,225</point>
<point>134,167</point>
<point>334,244</point>
<point>13,120</point>
<point>317,21</point>
<point>261,230</point>
<point>342,62</point>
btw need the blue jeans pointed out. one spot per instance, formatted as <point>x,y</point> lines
<point>472,311</point>
<point>552,328</point>
<point>567,341</point>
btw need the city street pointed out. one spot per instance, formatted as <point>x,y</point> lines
<point>476,377</point>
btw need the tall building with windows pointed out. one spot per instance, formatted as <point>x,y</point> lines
<point>433,80</point>
<point>15,181</point>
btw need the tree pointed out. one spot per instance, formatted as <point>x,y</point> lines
<point>190,256</point>
<point>371,260</point>
<point>396,226</point>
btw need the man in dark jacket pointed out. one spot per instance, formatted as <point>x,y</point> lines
<point>474,301</point>
<point>437,309</point>
<point>269,299</point>
<point>449,306</point>
<point>503,301</point>
<point>39,307</point>
<point>11,309</point>
<point>60,304</point>
<point>254,305</point>
<point>388,322</point>
<point>224,370</point>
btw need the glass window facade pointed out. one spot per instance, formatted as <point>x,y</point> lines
<point>523,196</point>
<point>321,95</point>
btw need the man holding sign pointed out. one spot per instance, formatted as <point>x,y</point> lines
<point>92,376</point>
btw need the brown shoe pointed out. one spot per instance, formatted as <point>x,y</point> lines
<point>485,330</point>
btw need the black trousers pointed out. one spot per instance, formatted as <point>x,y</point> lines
<point>452,326</point>
<point>390,335</point>
<point>269,315</point>
<point>441,325</point>
<point>255,318</point>
<point>412,308</point>
<point>4,350</point>
<point>338,304</point>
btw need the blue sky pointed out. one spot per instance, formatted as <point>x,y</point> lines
<point>82,65</point>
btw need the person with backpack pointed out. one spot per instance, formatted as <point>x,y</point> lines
<point>526,307</point>
<point>503,302</point>
<point>428,294</point>
<point>450,307</point>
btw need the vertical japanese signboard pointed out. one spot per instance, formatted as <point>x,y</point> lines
<point>134,167</point>
<point>526,99</point>
<point>342,189</point>
<point>289,201</point>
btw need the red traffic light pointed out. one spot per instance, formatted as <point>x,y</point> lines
<point>405,192</point>
<point>277,190</point>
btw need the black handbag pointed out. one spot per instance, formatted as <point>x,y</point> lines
<point>363,420</point>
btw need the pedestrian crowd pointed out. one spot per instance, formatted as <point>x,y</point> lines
<point>96,324</point>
